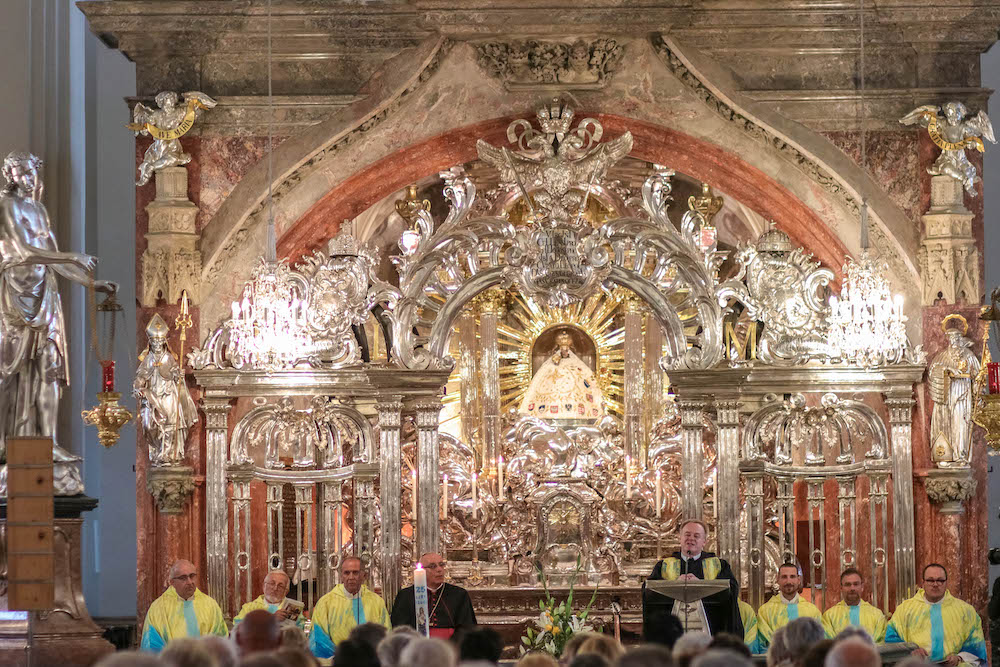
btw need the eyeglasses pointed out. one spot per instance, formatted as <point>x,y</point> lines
<point>185,577</point>
<point>935,581</point>
<point>434,566</point>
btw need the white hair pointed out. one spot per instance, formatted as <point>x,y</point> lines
<point>428,652</point>
<point>721,657</point>
<point>223,649</point>
<point>691,643</point>
<point>801,634</point>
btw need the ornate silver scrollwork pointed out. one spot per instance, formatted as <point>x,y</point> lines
<point>781,286</point>
<point>790,432</point>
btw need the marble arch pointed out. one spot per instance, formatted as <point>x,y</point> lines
<point>425,108</point>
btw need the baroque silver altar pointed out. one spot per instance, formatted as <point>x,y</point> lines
<point>417,417</point>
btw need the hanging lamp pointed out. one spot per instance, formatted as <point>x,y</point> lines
<point>267,330</point>
<point>867,325</point>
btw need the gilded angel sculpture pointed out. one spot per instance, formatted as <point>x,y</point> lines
<point>166,125</point>
<point>952,132</point>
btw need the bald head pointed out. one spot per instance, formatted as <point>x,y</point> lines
<point>259,631</point>
<point>853,652</point>
<point>183,577</point>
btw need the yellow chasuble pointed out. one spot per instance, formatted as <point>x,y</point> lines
<point>671,568</point>
<point>778,611</point>
<point>170,617</point>
<point>749,618</point>
<point>948,627</point>
<point>863,615</point>
<point>261,603</point>
<point>338,612</point>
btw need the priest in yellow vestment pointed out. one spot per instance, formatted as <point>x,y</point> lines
<point>276,585</point>
<point>182,611</point>
<point>785,606</point>
<point>947,630</point>
<point>349,604</point>
<point>749,618</point>
<point>852,610</point>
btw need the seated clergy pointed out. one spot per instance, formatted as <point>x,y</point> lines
<point>852,610</point>
<point>716,613</point>
<point>182,611</point>
<point>347,606</point>
<point>450,606</point>
<point>785,606</point>
<point>749,618</point>
<point>947,630</point>
<point>275,587</point>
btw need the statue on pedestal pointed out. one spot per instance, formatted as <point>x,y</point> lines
<point>32,330</point>
<point>166,125</point>
<point>166,408</point>
<point>951,377</point>
<point>564,386</point>
<point>952,132</point>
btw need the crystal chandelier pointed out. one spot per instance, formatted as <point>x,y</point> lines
<point>867,325</point>
<point>268,328</point>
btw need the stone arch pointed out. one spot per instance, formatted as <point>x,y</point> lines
<point>421,112</point>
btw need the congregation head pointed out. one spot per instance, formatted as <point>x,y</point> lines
<point>853,652</point>
<point>428,652</point>
<point>259,632</point>
<point>649,655</point>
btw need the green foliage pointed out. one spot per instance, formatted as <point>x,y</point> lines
<point>556,623</point>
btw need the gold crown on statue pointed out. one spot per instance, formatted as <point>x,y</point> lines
<point>157,328</point>
<point>555,118</point>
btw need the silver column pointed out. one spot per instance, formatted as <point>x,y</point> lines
<point>328,534</point>
<point>304,556</point>
<point>692,460</point>
<point>727,482</point>
<point>816,562</point>
<point>756,561</point>
<point>491,307</point>
<point>900,404</point>
<point>275,534</point>
<point>216,510</point>
<point>389,423</point>
<point>243,539</point>
<point>653,396</point>
<point>633,379</point>
<point>469,376</point>
<point>878,517</point>
<point>428,477</point>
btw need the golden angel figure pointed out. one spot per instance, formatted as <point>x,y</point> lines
<point>952,132</point>
<point>166,125</point>
<point>564,387</point>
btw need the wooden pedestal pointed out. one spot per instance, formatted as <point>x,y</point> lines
<point>66,635</point>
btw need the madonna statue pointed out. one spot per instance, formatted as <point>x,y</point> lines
<point>564,387</point>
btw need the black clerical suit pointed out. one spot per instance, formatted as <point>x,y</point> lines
<point>449,606</point>
<point>722,609</point>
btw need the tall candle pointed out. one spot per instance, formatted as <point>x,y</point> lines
<point>500,476</point>
<point>659,493</point>
<point>475,495</point>
<point>993,377</point>
<point>108,375</point>
<point>444,498</point>
<point>420,600</point>
<point>628,477</point>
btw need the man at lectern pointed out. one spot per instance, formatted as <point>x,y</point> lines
<point>715,613</point>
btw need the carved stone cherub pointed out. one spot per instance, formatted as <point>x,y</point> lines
<point>952,132</point>
<point>166,125</point>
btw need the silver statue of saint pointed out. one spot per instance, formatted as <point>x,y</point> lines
<point>166,409</point>
<point>952,132</point>
<point>32,330</point>
<point>166,125</point>
<point>951,377</point>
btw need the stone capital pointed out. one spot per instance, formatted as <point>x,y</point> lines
<point>949,488</point>
<point>170,487</point>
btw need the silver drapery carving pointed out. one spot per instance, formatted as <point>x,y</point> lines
<point>33,333</point>
<point>166,409</point>
<point>951,377</point>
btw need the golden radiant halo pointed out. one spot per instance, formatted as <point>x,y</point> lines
<point>526,320</point>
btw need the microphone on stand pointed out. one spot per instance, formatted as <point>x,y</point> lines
<point>687,610</point>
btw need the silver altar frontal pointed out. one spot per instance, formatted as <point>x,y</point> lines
<point>557,364</point>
